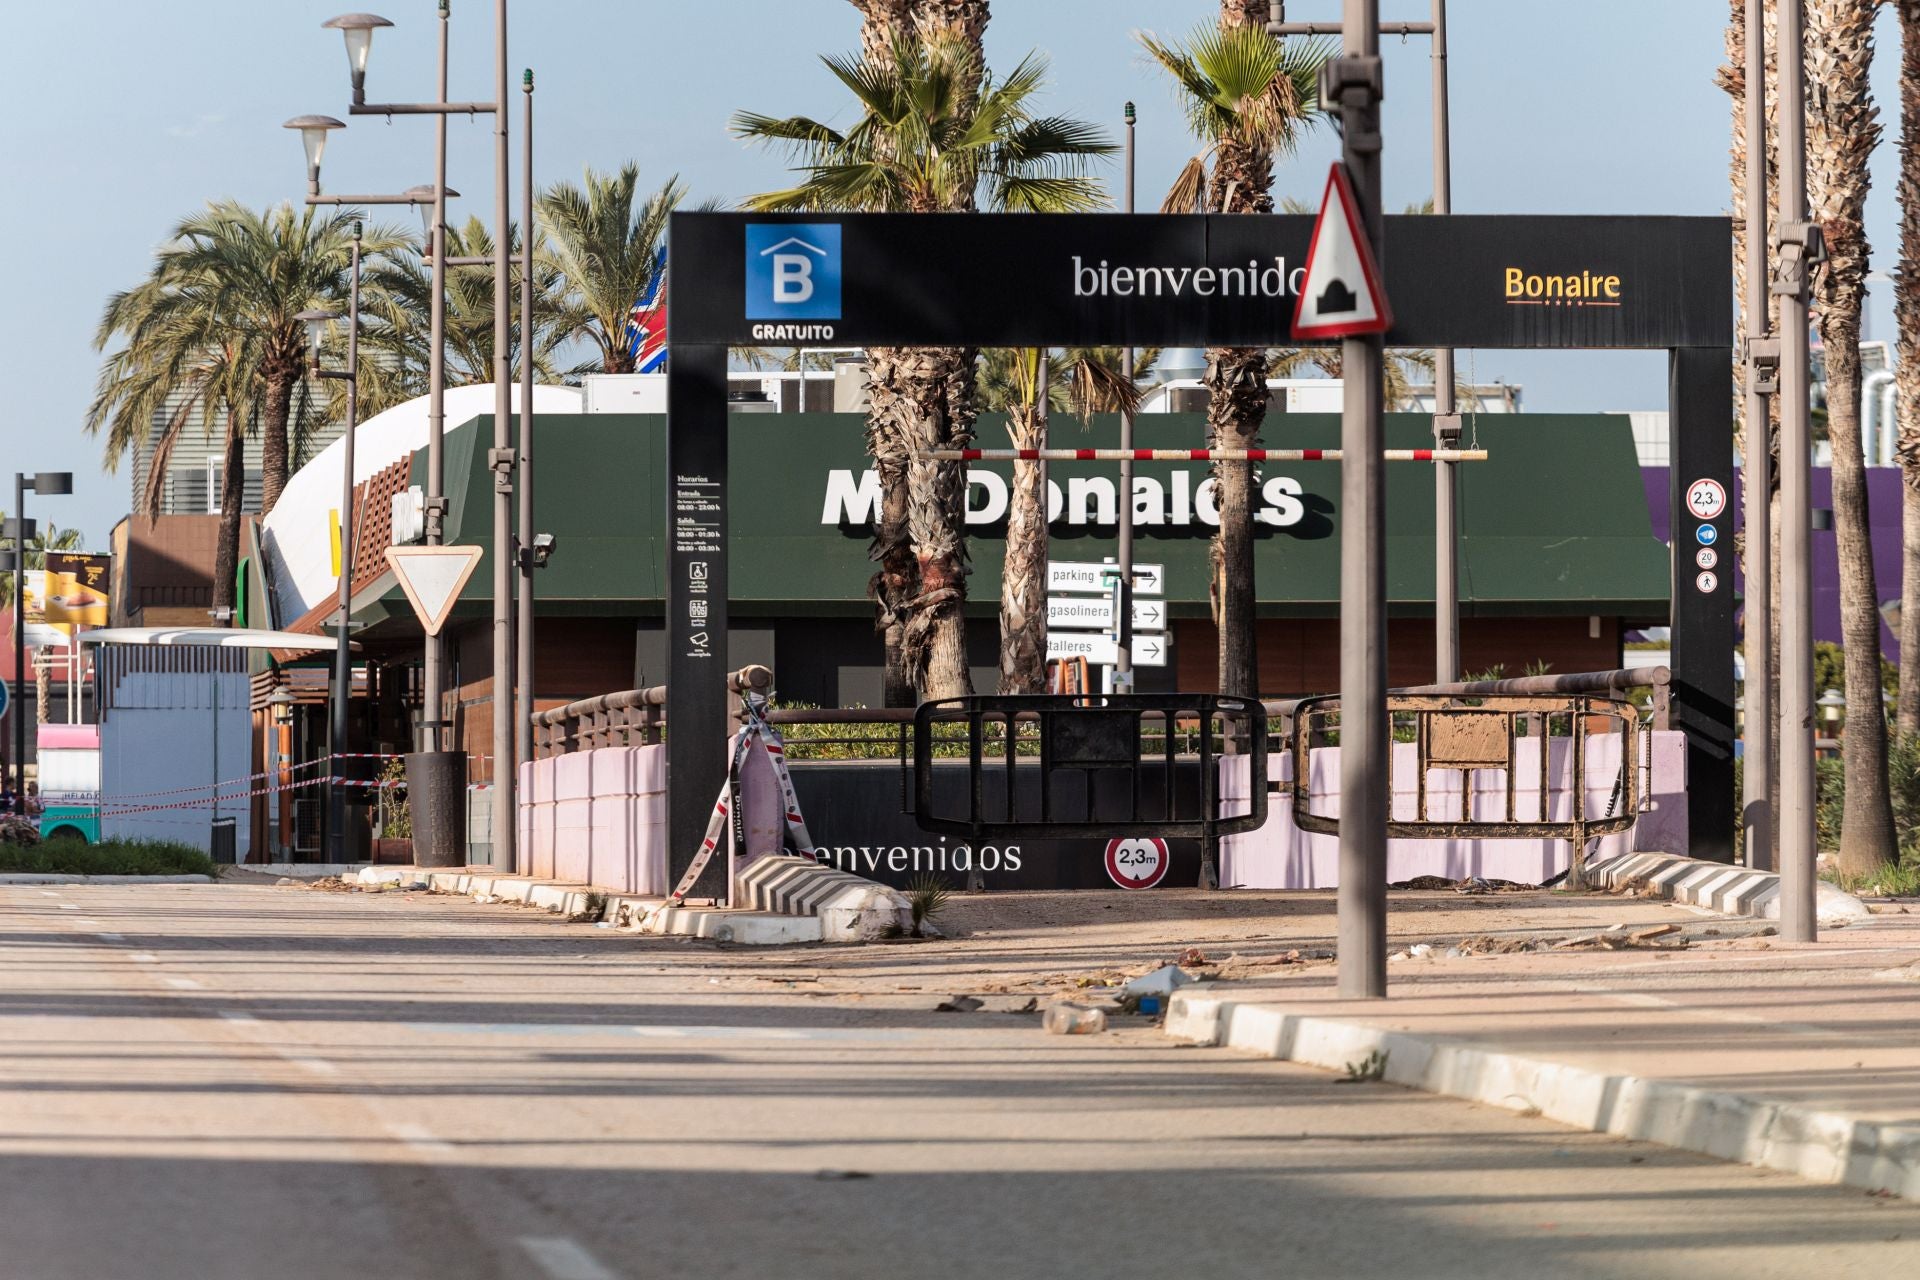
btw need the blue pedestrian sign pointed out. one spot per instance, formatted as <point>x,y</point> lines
<point>1707,535</point>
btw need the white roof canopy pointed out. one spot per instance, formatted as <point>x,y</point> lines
<point>215,637</point>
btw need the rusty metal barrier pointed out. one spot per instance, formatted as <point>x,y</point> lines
<point>1476,734</point>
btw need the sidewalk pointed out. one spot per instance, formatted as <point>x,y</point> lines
<point>1801,1058</point>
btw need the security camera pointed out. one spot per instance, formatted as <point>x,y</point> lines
<point>542,549</point>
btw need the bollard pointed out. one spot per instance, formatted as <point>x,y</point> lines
<point>437,798</point>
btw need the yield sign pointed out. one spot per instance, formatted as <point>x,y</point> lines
<point>432,578</point>
<point>1340,296</point>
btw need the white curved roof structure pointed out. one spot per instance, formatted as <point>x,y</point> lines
<point>296,534</point>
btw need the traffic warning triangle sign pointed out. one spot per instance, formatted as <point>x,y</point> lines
<point>433,577</point>
<point>1340,295</point>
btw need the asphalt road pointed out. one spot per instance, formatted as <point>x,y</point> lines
<point>250,1082</point>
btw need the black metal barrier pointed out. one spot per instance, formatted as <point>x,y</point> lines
<point>1094,758</point>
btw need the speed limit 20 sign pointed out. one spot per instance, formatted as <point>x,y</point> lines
<point>1138,863</point>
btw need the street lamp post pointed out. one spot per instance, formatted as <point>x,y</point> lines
<point>317,322</point>
<point>21,529</point>
<point>358,30</point>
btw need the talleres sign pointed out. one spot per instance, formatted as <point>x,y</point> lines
<point>1190,280</point>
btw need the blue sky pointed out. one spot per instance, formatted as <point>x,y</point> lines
<point>140,112</point>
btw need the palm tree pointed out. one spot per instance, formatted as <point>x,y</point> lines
<point>1842,128</point>
<point>936,132</point>
<point>1402,371</point>
<point>244,275</point>
<point>396,320</point>
<point>1248,99</point>
<point>1086,380</point>
<point>1906,293</point>
<point>607,251</point>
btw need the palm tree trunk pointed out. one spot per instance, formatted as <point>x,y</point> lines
<point>276,406</point>
<point>896,582</point>
<point>1867,840</point>
<point>934,412</point>
<point>1842,131</point>
<point>1236,381</point>
<point>233,481</point>
<point>1906,304</point>
<point>1023,582</point>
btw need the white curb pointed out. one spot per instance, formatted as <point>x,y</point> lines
<point>1719,887</point>
<point>1822,1146</point>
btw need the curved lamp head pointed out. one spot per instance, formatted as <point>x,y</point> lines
<point>317,321</point>
<point>358,28</point>
<point>422,199</point>
<point>313,136</point>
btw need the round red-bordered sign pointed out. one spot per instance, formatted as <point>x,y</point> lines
<point>1138,862</point>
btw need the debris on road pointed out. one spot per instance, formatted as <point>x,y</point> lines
<point>958,1004</point>
<point>1618,938</point>
<point>1161,982</point>
<point>1064,1018</point>
<point>1485,944</point>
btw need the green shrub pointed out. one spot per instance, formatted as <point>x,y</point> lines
<point>107,858</point>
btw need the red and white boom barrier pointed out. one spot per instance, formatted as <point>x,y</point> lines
<point>1194,455</point>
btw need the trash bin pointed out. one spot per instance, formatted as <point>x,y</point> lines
<point>226,833</point>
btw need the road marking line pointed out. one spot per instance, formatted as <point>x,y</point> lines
<point>113,937</point>
<point>48,893</point>
<point>184,984</point>
<point>241,1018</point>
<point>88,924</point>
<point>69,906</point>
<point>562,1259</point>
<point>314,1066</point>
<point>144,957</point>
<point>419,1138</point>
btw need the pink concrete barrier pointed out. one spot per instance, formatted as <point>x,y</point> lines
<point>598,817</point>
<point>1280,856</point>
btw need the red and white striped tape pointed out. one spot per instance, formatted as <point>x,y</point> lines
<point>725,817</point>
<point>1194,455</point>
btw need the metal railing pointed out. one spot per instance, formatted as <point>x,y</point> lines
<point>1085,754</point>
<point>1474,727</point>
<point>629,718</point>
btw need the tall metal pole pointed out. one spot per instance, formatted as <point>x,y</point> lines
<point>1796,241</point>
<point>434,676</point>
<point>1355,79</point>
<point>1122,681</point>
<point>343,656</point>
<point>504,809</point>
<point>1756,778</point>
<point>1446,423</point>
<point>18,703</point>
<point>523,548</point>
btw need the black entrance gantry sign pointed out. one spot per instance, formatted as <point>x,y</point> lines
<point>1184,280</point>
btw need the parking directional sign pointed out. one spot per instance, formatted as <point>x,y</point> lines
<point>1082,575</point>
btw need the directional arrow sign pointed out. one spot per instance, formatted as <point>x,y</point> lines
<point>1101,651</point>
<point>433,577</point>
<point>1069,575</point>
<point>1340,295</point>
<point>1151,651</point>
<point>1095,613</point>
